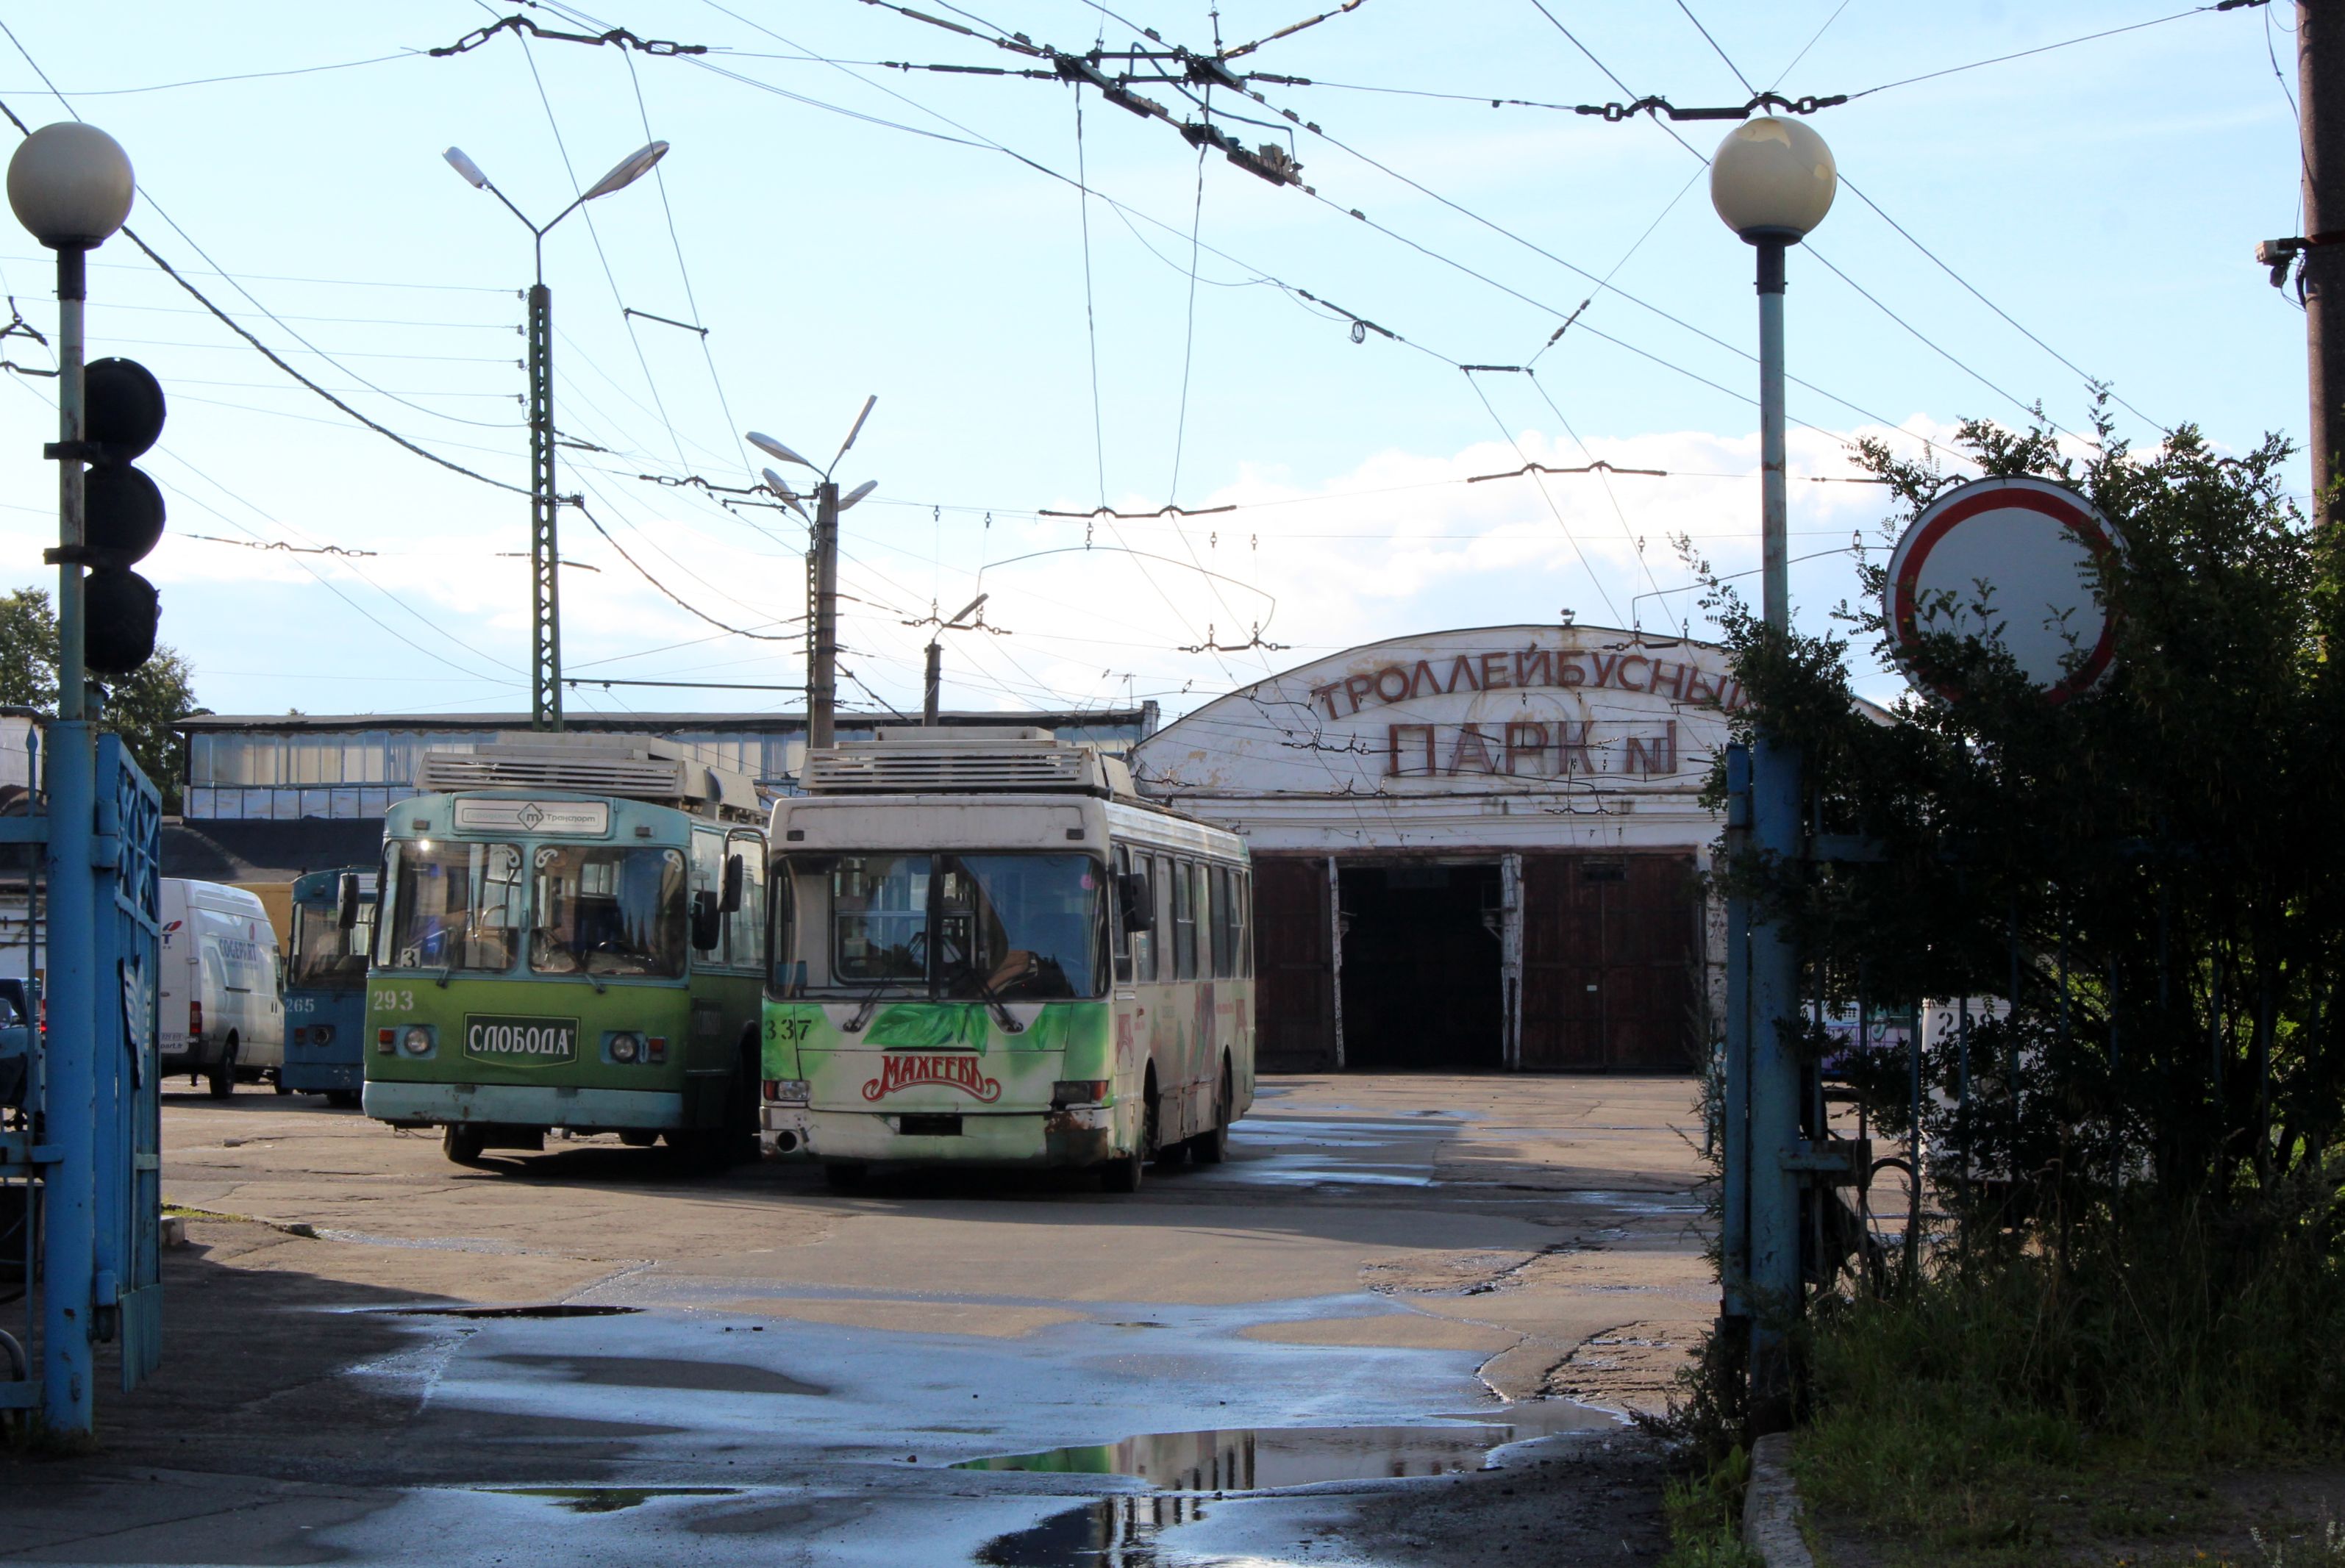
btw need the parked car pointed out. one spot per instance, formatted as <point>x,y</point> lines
<point>223,1012</point>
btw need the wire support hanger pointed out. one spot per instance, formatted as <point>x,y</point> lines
<point>1253,640</point>
<point>1658,107</point>
<point>1167,509</point>
<point>1598,466</point>
<point>518,24</point>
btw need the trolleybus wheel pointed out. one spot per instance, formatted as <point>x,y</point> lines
<point>342,1100</point>
<point>844,1175</point>
<point>221,1083</point>
<point>279,1085</point>
<point>639,1138</point>
<point>462,1144</point>
<point>1209,1147</point>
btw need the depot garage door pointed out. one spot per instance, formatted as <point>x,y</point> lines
<point>1611,949</point>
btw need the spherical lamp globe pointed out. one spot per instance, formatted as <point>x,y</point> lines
<point>70,185</point>
<point>1773,179</point>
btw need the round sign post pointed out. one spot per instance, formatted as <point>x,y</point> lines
<point>2013,562</point>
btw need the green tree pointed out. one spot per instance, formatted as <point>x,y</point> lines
<point>140,706</point>
<point>2149,872</point>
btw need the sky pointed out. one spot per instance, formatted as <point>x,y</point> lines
<point>1182,335</point>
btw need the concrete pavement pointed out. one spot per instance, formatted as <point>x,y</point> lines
<point>754,1369</point>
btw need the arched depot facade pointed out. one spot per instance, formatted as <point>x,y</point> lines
<point>1473,849</point>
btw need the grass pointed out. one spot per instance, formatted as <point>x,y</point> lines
<point>1705,1511</point>
<point>2025,1408</point>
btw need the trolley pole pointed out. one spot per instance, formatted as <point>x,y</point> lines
<point>822,672</point>
<point>544,543</point>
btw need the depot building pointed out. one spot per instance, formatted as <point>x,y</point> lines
<point>1473,849</point>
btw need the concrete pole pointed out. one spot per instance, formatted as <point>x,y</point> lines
<point>2321,76</point>
<point>1774,1093</point>
<point>70,1191</point>
<point>822,677</point>
<point>545,544</point>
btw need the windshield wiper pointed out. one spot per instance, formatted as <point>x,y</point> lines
<point>993,1002</point>
<point>868,1006</point>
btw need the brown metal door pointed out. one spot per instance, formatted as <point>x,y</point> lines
<point>1294,980</point>
<point>1609,958</point>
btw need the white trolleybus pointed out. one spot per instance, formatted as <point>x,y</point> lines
<point>986,948</point>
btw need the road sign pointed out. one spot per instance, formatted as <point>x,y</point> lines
<point>2014,563</point>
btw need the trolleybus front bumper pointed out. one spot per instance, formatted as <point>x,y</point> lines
<point>1077,1135</point>
<point>522,1104</point>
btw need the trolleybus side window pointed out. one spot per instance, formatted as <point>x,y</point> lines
<point>1119,939</point>
<point>1145,944</point>
<point>1184,921</point>
<point>1168,962</point>
<point>745,926</point>
<point>1221,907</point>
<point>1241,922</point>
<point>453,906</point>
<point>786,964</point>
<point>605,909</point>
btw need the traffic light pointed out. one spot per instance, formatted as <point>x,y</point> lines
<point>122,512</point>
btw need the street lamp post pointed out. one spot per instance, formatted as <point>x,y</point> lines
<point>822,574</point>
<point>1771,181</point>
<point>70,185</point>
<point>544,552</point>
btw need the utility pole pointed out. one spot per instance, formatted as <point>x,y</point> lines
<point>822,570</point>
<point>2320,77</point>
<point>544,545</point>
<point>822,666</point>
<point>958,621</point>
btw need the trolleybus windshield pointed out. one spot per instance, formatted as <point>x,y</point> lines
<point>453,904</point>
<point>325,957</point>
<point>955,928</point>
<point>600,910</point>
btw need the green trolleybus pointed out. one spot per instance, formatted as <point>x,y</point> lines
<point>570,935</point>
<point>986,948</point>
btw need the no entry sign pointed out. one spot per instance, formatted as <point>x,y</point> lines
<point>2012,562</point>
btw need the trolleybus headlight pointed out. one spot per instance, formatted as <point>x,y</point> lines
<point>321,1033</point>
<point>417,1039</point>
<point>626,1046</point>
<point>1077,1091</point>
<point>788,1091</point>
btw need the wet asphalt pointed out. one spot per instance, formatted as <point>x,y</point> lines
<point>1355,1343</point>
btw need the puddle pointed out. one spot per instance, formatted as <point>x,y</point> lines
<point>1261,1458</point>
<point>609,1499</point>
<point>551,1309</point>
<point>1113,1533</point>
<point>664,1372</point>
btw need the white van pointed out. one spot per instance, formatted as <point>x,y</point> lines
<point>223,1005</point>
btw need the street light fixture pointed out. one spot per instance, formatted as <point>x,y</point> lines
<point>1771,181</point>
<point>822,570</point>
<point>71,185</point>
<point>544,552</point>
